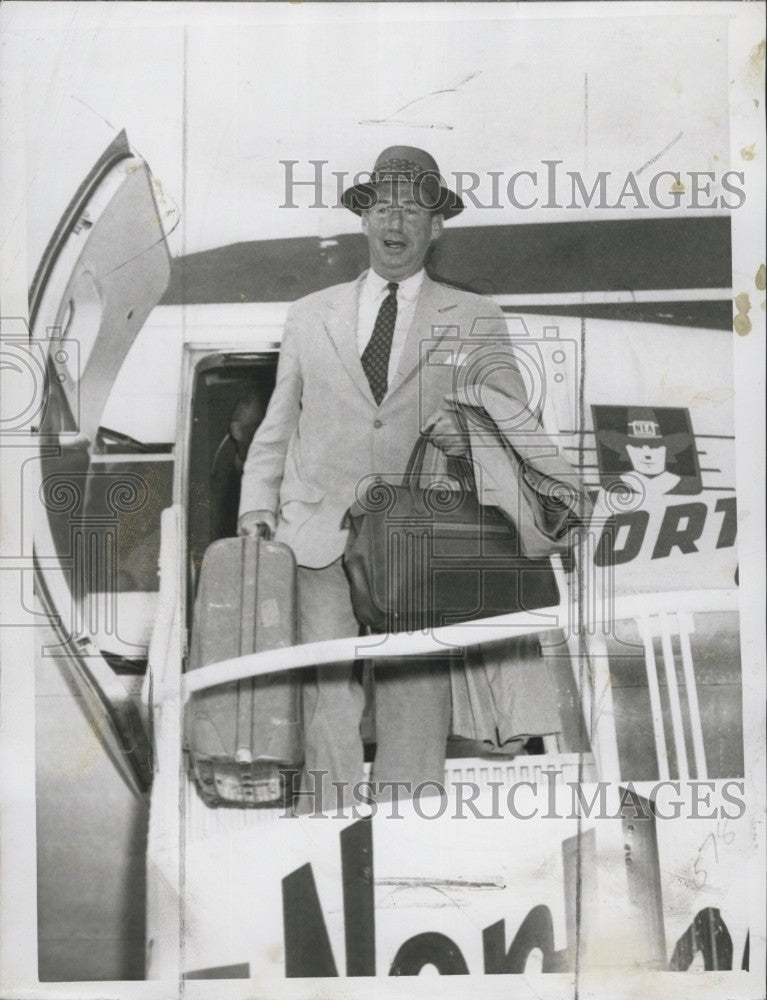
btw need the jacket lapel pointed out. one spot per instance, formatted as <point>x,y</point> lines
<point>432,321</point>
<point>340,321</point>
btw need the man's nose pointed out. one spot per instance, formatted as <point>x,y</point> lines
<point>395,219</point>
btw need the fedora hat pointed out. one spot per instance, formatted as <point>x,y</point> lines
<point>643,428</point>
<point>405,163</point>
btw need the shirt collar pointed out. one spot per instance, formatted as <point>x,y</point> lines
<point>408,289</point>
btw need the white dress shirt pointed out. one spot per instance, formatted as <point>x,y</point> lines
<point>372,294</point>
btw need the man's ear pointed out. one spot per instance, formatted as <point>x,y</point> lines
<point>437,225</point>
<point>364,218</point>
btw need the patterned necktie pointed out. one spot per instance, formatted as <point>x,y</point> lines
<point>375,357</point>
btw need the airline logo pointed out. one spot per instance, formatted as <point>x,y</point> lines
<point>636,445</point>
<point>665,514</point>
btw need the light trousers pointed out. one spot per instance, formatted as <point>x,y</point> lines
<point>412,701</point>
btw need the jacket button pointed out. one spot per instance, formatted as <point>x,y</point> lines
<point>377,424</point>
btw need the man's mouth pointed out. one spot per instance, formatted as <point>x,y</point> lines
<point>394,244</point>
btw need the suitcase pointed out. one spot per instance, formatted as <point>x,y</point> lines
<point>239,736</point>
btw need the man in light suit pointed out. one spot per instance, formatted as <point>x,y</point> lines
<point>360,375</point>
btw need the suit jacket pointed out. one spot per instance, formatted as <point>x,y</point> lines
<point>323,437</point>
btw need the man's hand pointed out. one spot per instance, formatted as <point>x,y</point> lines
<point>257,522</point>
<point>445,431</point>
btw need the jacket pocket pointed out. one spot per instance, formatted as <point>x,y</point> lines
<point>300,490</point>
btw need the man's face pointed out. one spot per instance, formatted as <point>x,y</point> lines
<point>650,461</point>
<point>243,425</point>
<point>399,232</point>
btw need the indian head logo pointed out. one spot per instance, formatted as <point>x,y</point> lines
<point>652,505</point>
<point>650,451</point>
